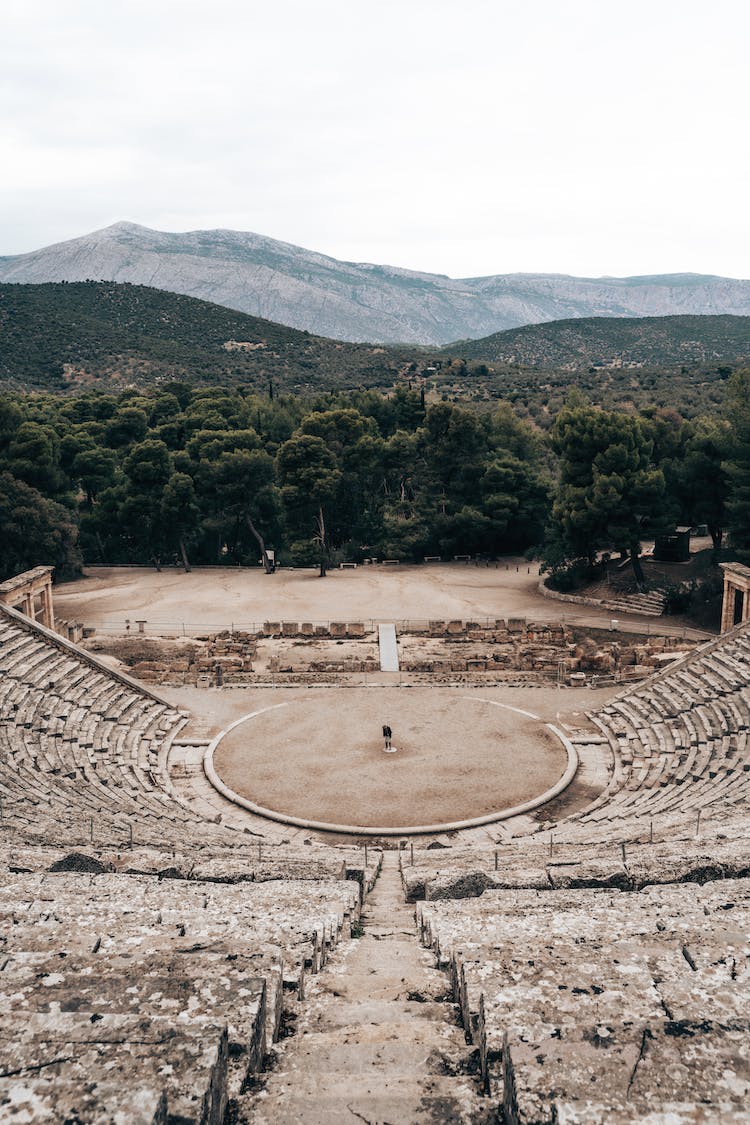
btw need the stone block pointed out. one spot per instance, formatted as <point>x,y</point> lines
<point>289,628</point>
<point>338,629</point>
<point>307,629</point>
<point>454,627</point>
<point>355,629</point>
<point>271,628</point>
<point>516,624</point>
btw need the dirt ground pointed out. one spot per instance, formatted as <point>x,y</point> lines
<point>214,598</point>
<point>213,709</point>
<point>321,757</point>
<point>320,754</point>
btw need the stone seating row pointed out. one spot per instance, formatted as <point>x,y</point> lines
<point>242,862</point>
<point>80,749</point>
<point>146,1073</point>
<point>291,863</point>
<point>561,991</point>
<point>459,873</point>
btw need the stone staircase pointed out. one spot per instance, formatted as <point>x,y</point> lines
<point>647,603</point>
<point>377,1040</point>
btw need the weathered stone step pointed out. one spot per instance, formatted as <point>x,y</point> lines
<point>394,986</point>
<point>403,1048</point>
<point>336,1099</point>
<point>363,1012</point>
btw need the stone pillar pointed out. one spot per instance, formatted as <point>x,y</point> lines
<point>28,606</point>
<point>736,583</point>
<point>727,604</point>
<point>48,611</point>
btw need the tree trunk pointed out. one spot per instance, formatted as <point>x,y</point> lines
<point>259,539</point>
<point>717,534</point>
<point>321,537</point>
<point>185,559</point>
<point>637,568</point>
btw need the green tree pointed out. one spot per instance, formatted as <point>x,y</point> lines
<point>180,513</point>
<point>126,427</point>
<point>94,470</point>
<point>33,455</point>
<point>244,480</point>
<point>310,479</point>
<point>147,468</point>
<point>609,494</point>
<point>698,477</point>
<point>34,530</point>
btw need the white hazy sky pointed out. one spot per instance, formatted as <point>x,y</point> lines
<point>464,137</point>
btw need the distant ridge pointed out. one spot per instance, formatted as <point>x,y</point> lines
<point>358,301</point>
<point>666,341</point>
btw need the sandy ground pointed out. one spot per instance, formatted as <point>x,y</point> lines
<point>321,757</point>
<point>212,598</point>
<point>321,753</point>
<point>213,709</point>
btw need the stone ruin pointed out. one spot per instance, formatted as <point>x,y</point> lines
<point>498,651</point>
<point>31,593</point>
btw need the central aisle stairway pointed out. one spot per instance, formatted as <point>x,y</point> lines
<point>377,1040</point>
<point>388,648</point>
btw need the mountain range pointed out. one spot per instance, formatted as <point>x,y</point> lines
<point>359,301</point>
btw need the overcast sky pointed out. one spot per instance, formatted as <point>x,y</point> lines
<point>464,137</point>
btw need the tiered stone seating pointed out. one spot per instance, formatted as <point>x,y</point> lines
<point>601,962</point>
<point>602,1005</point>
<point>182,978</point>
<point>680,746</point>
<point>145,951</point>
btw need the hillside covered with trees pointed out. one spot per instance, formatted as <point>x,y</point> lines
<point>75,335</point>
<point>69,337</point>
<point>603,341</point>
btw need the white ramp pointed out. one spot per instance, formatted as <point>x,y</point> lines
<point>388,649</point>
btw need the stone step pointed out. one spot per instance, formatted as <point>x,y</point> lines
<point>414,1049</point>
<point>386,987</point>
<point>340,1099</point>
<point>364,1012</point>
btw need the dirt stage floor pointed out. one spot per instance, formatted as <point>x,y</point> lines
<point>458,755</point>
<point>214,598</point>
<point>329,740</point>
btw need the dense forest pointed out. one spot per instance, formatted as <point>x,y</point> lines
<point>222,475</point>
